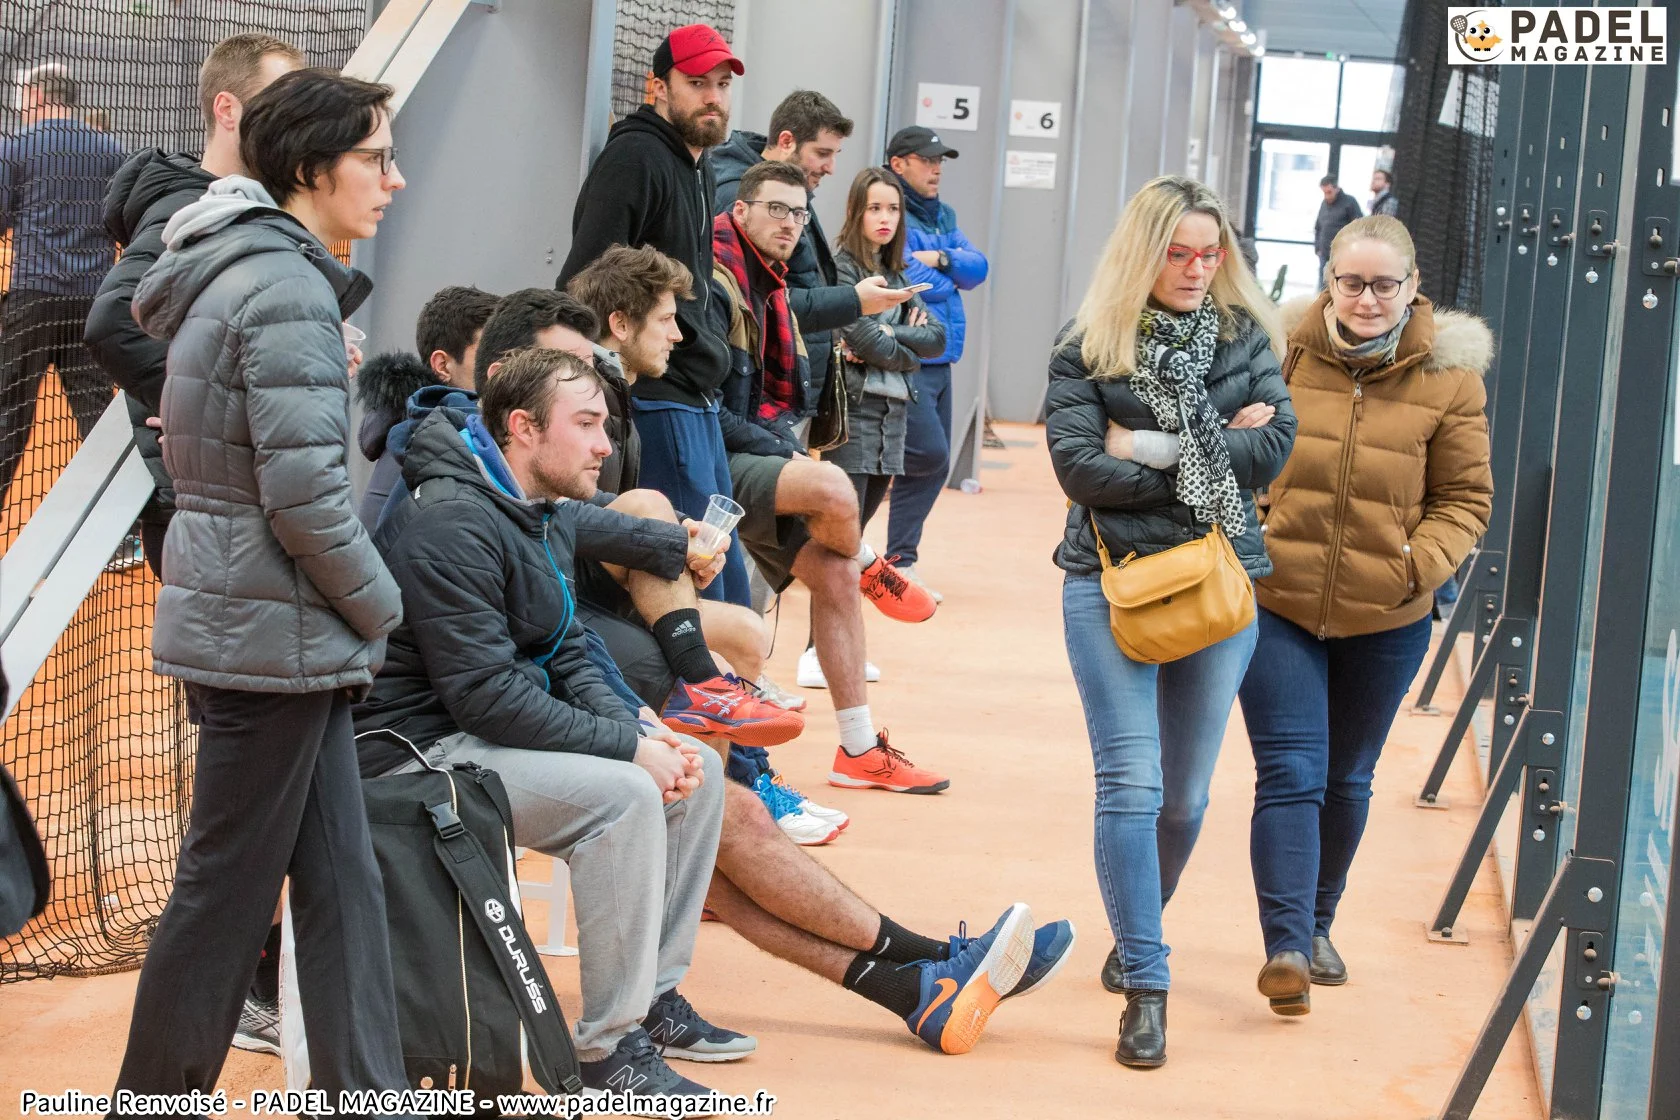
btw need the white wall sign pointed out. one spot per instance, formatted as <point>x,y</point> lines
<point>955,108</point>
<point>1035,118</point>
<point>1034,171</point>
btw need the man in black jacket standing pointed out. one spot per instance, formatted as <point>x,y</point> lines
<point>491,666</point>
<point>1337,210</point>
<point>806,130</point>
<point>650,186</point>
<point>144,195</point>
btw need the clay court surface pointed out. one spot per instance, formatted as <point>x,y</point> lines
<point>983,693</point>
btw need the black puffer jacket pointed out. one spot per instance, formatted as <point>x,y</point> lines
<point>646,189</point>
<point>145,193</point>
<point>490,643</point>
<point>1135,504</point>
<point>820,301</point>
<point>623,468</point>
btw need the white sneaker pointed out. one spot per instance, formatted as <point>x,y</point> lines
<point>908,571</point>
<point>811,674</point>
<point>810,808</point>
<point>805,830</point>
<point>773,693</point>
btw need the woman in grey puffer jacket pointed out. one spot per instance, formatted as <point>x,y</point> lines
<point>880,352</point>
<point>276,605</point>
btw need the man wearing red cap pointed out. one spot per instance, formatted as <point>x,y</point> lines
<point>650,186</point>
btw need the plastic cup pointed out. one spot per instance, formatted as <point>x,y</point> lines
<point>722,515</point>
<point>353,336</point>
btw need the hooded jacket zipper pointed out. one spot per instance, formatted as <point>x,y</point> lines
<point>1344,485</point>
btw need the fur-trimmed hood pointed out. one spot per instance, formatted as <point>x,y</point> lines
<point>383,387</point>
<point>1446,339</point>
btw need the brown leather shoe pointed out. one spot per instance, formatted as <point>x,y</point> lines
<point>1285,981</point>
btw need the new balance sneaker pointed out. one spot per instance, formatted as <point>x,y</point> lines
<point>728,707</point>
<point>908,571</point>
<point>775,694</point>
<point>680,1032</point>
<point>883,766</point>
<point>810,808</point>
<point>892,594</point>
<point>811,674</point>
<point>1051,946</point>
<point>635,1066</point>
<point>802,828</point>
<point>259,1027</point>
<point>959,994</point>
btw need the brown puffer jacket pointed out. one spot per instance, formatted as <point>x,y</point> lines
<point>1388,486</point>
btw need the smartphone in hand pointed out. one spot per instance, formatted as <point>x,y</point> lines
<point>918,287</point>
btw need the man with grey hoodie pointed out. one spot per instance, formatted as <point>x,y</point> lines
<point>275,604</point>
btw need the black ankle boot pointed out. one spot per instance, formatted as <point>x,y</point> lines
<point>1143,1030</point>
<point>1112,978</point>
<point>1286,983</point>
<point>1327,967</point>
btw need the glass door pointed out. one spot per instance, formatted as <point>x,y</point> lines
<point>1285,211</point>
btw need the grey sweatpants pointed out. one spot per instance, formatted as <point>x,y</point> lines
<point>639,869</point>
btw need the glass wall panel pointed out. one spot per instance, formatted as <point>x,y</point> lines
<point>1298,91</point>
<point>1289,195</point>
<point>1369,91</point>
<point>1356,163</point>
<point>1300,260</point>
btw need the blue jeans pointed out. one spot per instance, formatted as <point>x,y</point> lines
<point>1318,713</point>
<point>1155,736</point>
<point>683,457</point>
<point>927,462</point>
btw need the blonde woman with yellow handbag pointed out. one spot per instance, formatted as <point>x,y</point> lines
<point>1166,408</point>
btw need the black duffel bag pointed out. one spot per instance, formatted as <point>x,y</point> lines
<point>474,1005</point>
<point>25,883</point>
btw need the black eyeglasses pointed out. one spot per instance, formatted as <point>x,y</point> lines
<point>781,211</point>
<point>387,157</point>
<point>1384,287</point>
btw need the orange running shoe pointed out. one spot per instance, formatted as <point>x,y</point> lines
<point>730,708</point>
<point>895,596</point>
<point>883,767</point>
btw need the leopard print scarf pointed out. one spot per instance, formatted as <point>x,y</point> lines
<point>1174,355</point>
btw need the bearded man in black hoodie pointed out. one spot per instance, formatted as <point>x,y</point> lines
<point>651,186</point>
<point>145,193</point>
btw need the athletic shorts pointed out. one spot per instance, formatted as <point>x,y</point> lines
<point>772,542</point>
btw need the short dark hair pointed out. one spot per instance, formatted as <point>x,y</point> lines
<point>1388,176</point>
<point>1327,181</point>
<point>769,171</point>
<point>629,281</point>
<point>234,65</point>
<point>518,318</point>
<point>450,319</point>
<point>526,383</point>
<point>303,124</point>
<point>807,113</point>
<point>54,83</point>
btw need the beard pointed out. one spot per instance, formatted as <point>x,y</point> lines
<point>640,361</point>
<point>700,131</point>
<point>579,485</point>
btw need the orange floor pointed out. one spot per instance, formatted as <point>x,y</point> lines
<point>983,692</point>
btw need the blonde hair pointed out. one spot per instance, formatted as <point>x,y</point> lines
<point>1389,230</point>
<point>1136,252</point>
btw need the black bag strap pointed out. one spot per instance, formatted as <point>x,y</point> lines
<point>484,886</point>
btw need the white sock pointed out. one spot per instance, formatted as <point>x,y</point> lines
<point>857,730</point>
<point>865,555</point>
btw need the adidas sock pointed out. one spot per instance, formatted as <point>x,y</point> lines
<point>265,985</point>
<point>865,555</point>
<point>684,646</point>
<point>895,943</point>
<point>857,730</point>
<point>896,987</point>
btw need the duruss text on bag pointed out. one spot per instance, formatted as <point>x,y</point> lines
<point>1550,36</point>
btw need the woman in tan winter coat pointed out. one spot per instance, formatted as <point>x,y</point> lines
<point>1387,489</point>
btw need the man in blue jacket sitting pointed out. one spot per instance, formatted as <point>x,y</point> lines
<point>939,254</point>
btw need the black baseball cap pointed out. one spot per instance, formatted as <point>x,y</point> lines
<point>919,140</point>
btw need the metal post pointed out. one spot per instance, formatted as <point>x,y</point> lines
<point>1585,894</point>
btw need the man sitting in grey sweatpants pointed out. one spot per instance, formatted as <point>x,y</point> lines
<point>490,666</point>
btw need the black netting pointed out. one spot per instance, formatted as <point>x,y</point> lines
<point>1443,156</point>
<point>98,743</point>
<point>642,25</point>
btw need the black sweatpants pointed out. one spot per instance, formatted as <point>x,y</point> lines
<point>277,793</point>
<point>39,330</point>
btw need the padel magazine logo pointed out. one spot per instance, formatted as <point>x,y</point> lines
<point>1553,36</point>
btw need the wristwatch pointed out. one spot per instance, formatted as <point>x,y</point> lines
<point>944,261</point>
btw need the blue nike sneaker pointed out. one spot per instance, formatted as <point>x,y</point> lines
<point>959,994</point>
<point>1051,946</point>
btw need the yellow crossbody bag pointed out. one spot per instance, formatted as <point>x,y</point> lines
<point>1168,605</point>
